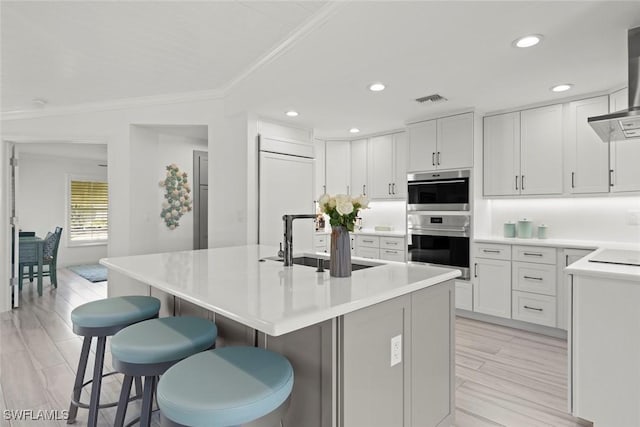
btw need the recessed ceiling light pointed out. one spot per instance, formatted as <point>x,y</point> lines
<point>292,113</point>
<point>376,87</point>
<point>562,88</point>
<point>354,130</point>
<point>528,41</point>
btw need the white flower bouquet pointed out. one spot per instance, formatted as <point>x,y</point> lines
<point>342,209</point>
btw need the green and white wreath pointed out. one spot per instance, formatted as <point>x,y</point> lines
<point>177,196</point>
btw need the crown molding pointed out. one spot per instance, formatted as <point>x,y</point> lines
<point>116,104</point>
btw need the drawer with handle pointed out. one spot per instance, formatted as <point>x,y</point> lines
<point>392,255</point>
<point>528,307</point>
<point>534,254</point>
<point>392,243</point>
<point>365,252</point>
<point>367,241</point>
<point>493,251</point>
<point>320,239</point>
<point>536,278</point>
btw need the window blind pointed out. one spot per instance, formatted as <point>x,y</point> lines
<point>89,210</point>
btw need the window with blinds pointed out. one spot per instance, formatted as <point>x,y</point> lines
<point>88,211</point>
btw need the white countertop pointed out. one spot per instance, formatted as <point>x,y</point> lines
<point>608,271</point>
<point>372,232</point>
<point>267,296</point>
<point>558,243</point>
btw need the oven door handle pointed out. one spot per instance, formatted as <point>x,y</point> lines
<point>439,231</point>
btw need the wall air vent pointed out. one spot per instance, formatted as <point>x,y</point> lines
<point>431,98</point>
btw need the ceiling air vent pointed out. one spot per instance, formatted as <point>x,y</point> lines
<point>431,98</point>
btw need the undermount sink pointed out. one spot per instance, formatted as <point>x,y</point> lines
<point>311,261</point>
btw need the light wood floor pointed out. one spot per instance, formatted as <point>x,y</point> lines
<point>505,377</point>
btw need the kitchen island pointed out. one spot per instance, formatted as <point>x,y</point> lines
<point>374,349</point>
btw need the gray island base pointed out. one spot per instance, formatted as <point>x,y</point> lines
<point>372,350</point>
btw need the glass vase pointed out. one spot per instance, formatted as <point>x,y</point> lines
<point>340,261</point>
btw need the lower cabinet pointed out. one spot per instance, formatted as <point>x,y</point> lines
<point>464,295</point>
<point>534,308</point>
<point>388,248</point>
<point>492,287</point>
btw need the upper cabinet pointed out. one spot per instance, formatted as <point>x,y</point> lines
<point>523,152</point>
<point>586,156</point>
<point>541,150</point>
<point>502,154</point>
<point>387,164</point>
<point>625,155</point>
<point>338,167</point>
<point>445,143</point>
<point>359,178</point>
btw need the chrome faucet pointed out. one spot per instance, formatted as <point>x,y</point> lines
<point>287,220</point>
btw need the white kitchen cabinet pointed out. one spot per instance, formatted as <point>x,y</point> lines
<point>380,247</point>
<point>423,146</point>
<point>387,166</point>
<point>455,142</point>
<point>534,308</point>
<point>625,155</point>
<point>464,295</point>
<point>502,154</point>
<point>319,153</point>
<point>492,287</point>
<point>586,156</point>
<point>445,143</point>
<point>359,178</point>
<point>338,167</point>
<point>541,150</point>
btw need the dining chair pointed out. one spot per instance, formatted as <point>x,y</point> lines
<point>49,259</point>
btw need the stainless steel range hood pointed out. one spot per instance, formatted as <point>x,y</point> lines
<point>624,125</point>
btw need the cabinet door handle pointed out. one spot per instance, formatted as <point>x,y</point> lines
<point>475,269</point>
<point>573,180</point>
<point>393,188</point>
<point>610,177</point>
<point>531,254</point>
<point>516,182</point>
<point>367,241</point>
<point>532,278</point>
<point>389,189</point>
<point>522,181</point>
<point>391,252</point>
<point>392,243</point>
<point>438,158</point>
<point>364,189</point>
<point>348,190</point>
<point>324,189</point>
<point>566,262</point>
<point>491,251</point>
<point>532,308</point>
<point>433,158</point>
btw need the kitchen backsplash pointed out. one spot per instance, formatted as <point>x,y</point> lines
<point>585,218</point>
<point>388,213</point>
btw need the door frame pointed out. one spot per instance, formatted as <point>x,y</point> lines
<point>197,155</point>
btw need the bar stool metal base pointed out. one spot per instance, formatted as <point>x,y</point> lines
<point>272,419</point>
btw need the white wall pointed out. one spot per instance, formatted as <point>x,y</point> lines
<point>151,152</point>
<point>583,218</point>
<point>43,198</point>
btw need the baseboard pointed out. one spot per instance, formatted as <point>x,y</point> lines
<point>517,324</point>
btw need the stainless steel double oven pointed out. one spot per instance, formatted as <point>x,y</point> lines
<point>439,219</point>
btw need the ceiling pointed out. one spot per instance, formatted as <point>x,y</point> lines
<point>76,52</point>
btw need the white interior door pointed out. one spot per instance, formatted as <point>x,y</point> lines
<point>286,187</point>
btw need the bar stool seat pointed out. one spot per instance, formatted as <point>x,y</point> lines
<point>114,312</point>
<point>101,319</point>
<point>151,347</point>
<point>235,386</point>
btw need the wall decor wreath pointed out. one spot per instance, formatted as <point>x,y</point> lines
<point>177,196</point>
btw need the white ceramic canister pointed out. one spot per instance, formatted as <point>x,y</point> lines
<point>524,229</point>
<point>509,229</point>
<point>542,231</point>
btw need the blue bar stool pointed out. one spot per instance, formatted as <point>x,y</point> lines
<point>230,386</point>
<point>101,319</point>
<point>147,349</point>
